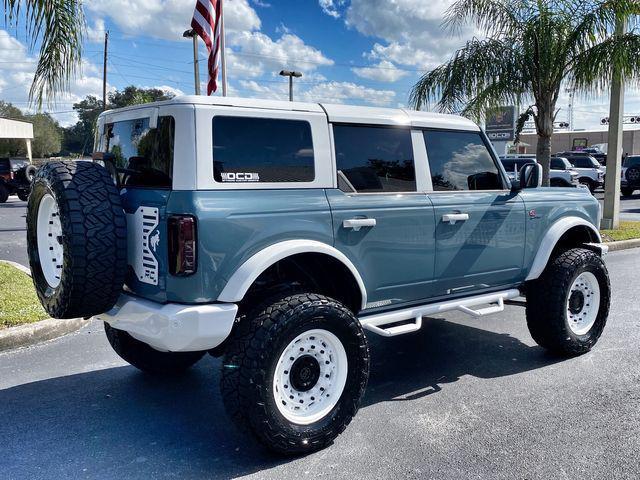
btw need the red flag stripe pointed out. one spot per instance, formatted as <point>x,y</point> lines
<point>206,23</point>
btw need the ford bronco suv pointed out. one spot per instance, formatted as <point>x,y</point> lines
<point>274,234</point>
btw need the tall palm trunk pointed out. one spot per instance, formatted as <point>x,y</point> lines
<point>544,127</point>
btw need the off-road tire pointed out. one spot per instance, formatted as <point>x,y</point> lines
<point>627,192</point>
<point>147,358</point>
<point>589,183</point>
<point>94,239</point>
<point>632,175</point>
<point>547,302</point>
<point>23,195</point>
<point>250,361</point>
<point>4,193</point>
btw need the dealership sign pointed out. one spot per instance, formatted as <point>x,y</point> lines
<point>500,124</point>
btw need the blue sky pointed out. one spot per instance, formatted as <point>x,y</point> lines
<point>367,52</point>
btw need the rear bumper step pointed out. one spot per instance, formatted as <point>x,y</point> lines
<point>172,327</point>
<point>495,302</point>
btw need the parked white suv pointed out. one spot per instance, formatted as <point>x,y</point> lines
<point>561,173</point>
<point>591,173</point>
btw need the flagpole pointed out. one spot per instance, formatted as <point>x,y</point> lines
<point>223,57</point>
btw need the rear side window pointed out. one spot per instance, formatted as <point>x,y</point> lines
<point>263,150</point>
<point>584,162</point>
<point>143,155</point>
<point>374,159</point>
<point>461,161</point>
<point>558,164</point>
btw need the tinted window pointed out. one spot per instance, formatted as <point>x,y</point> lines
<point>144,154</point>
<point>461,161</point>
<point>632,162</point>
<point>374,159</point>
<point>584,162</point>
<point>262,150</point>
<point>558,164</point>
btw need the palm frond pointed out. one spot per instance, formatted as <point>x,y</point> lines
<point>59,27</point>
<point>495,17</point>
<point>478,66</point>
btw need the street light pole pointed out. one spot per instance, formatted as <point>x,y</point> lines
<point>611,211</point>
<point>290,74</point>
<point>196,61</point>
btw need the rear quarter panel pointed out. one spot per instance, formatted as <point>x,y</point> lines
<point>233,226</point>
<point>545,206</point>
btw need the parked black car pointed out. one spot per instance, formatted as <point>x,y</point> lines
<point>15,178</point>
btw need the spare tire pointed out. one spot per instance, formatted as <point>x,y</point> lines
<point>633,176</point>
<point>30,172</point>
<point>76,239</point>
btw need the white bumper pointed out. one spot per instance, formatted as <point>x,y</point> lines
<point>172,327</point>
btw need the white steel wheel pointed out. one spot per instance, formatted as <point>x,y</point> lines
<point>50,250</point>
<point>583,303</point>
<point>310,376</point>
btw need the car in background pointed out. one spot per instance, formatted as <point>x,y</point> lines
<point>15,178</point>
<point>630,181</point>
<point>591,173</point>
<point>560,174</point>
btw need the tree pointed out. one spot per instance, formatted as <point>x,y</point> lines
<point>59,27</point>
<point>47,135</point>
<point>132,95</point>
<point>532,48</point>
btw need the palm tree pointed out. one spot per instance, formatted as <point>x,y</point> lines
<point>532,49</point>
<point>59,27</point>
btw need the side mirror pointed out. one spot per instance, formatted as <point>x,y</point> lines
<point>531,176</point>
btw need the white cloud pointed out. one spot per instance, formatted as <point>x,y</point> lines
<point>256,54</point>
<point>95,33</point>
<point>330,7</point>
<point>168,19</point>
<point>384,71</point>
<point>261,3</point>
<point>348,92</point>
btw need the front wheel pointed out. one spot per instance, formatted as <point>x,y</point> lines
<point>23,195</point>
<point>626,192</point>
<point>568,306</point>
<point>295,372</point>
<point>146,358</point>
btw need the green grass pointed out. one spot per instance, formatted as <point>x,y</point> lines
<point>627,231</point>
<point>18,301</point>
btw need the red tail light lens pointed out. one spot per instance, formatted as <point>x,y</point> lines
<point>183,248</point>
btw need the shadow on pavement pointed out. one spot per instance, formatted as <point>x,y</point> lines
<point>120,423</point>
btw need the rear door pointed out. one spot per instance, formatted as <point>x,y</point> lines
<point>480,224</point>
<point>382,219</point>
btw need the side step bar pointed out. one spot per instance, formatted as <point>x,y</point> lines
<point>376,323</point>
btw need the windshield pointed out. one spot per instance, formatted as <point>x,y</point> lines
<point>632,161</point>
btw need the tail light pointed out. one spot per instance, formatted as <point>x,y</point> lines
<point>183,248</point>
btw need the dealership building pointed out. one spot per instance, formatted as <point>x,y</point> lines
<point>573,140</point>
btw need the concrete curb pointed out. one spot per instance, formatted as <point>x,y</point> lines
<point>19,266</point>
<point>623,244</point>
<point>33,333</point>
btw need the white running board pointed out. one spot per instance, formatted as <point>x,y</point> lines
<point>376,323</point>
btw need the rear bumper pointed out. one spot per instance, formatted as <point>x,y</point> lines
<point>172,327</point>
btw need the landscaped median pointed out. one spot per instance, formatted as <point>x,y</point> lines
<point>627,236</point>
<point>23,321</point>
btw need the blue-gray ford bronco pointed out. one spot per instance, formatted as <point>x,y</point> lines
<point>274,234</point>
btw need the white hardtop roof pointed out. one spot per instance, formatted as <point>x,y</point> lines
<point>335,113</point>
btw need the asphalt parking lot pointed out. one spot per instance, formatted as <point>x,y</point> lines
<point>460,399</point>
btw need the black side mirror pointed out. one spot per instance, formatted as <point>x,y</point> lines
<point>531,176</point>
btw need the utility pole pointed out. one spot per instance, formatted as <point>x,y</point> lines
<point>570,91</point>
<point>611,213</point>
<point>196,61</point>
<point>290,74</point>
<point>104,71</point>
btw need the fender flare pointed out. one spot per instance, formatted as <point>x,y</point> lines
<point>550,239</point>
<point>251,269</point>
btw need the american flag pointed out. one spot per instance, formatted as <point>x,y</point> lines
<point>206,23</point>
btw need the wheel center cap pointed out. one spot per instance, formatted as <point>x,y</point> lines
<point>576,301</point>
<point>304,373</point>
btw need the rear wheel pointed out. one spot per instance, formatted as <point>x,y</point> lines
<point>568,306</point>
<point>295,371</point>
<point>626,192</point>
<point>147,358</point>
<point>23,195</point>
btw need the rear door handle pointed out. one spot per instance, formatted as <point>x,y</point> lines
<point>358,223</point>
<point>452,218</point>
